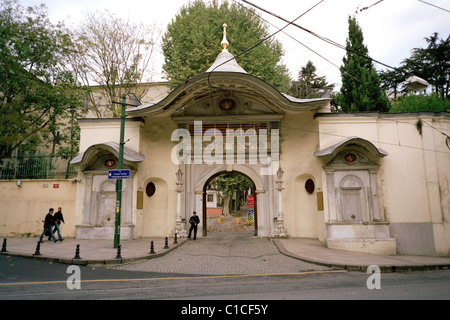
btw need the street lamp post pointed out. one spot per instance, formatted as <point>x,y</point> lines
<point>119,181</point>
<point>123,104</point>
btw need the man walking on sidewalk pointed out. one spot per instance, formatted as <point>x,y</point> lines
<point>194,221</point>
<point>48,225</point>
<point>58,217</point>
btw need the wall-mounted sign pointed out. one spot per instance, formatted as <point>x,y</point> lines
<point>119,174</point>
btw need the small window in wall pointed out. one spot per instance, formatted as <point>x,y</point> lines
<point>210,198</point>
<point>309,186</point>
<point>150,189</point>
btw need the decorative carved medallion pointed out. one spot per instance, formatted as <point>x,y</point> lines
<point>109,163</point>
<point>350,157</point>
<point>227,104</point>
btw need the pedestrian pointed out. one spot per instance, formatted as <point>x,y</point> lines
<point>58,217</point>
<point>194,221</point>
<point>48,224</point>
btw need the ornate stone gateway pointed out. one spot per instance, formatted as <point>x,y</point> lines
<point>316,174</point>
<point>197,178</point>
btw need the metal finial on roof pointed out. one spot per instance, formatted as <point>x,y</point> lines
<point>224,42</point>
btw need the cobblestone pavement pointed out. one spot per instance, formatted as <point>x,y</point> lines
<point>225,253</point>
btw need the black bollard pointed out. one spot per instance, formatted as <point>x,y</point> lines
<point>4,246</point>
<point>118,256</point>
<point>175,239</point>
<point>152,250</point>
<point>166,246</point>
<point>38,249</point>
<point>77,252</point>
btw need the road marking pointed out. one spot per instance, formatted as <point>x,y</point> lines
<point>175,278</point>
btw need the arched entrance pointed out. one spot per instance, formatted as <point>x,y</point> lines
<point>205,200</point>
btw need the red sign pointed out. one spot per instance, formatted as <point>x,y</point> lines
<point>250,202</point>
<point>55,186</point>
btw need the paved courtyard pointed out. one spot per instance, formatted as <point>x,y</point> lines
<point>225,253</point>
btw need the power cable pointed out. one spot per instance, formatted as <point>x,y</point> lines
<point>291,37</point>
<point>332,63</point>
<point>260,42</point>
<point>371,140</point>
<point>365,8</point>
<point>433,5</point>
<point>321,37</point>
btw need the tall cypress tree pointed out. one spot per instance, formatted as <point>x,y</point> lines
<point>361,90</point>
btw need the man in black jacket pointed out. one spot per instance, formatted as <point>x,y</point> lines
<point>194,221</point>
<point>48,224</point>
<point>58,217</point>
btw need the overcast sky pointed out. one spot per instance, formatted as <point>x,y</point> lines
<point>391,28</point>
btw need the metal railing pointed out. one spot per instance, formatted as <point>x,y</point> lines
<point>36,167</point>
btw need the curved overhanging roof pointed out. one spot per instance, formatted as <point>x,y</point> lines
<point>225,74</point>
<point>215,81</point>
<point>129,156</point>
<point>331,152</point>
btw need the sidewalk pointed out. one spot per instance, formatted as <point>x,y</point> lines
<point>102,253</point>
<point>311,250</point>
<point>91,252</point>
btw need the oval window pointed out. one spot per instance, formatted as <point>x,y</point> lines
<point>309,186</point>
<point>150,189</point>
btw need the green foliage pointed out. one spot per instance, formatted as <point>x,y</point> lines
<point>309,84</point>
<point>192,43</point>
<point>230,182</point>
<point>37,90</point>
<point>431,63</point>
<point>360,89</point>
<point>415,103</point>
<point>391,79</point>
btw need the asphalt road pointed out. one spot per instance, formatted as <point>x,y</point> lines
<point>27,279</point>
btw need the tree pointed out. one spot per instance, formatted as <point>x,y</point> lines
<point>115,55</point>
<point>309,85</point>
<point>229,183</point>
<point>38,92</point>
<point>431,63</point>
<point>192,43</point>
<point>360,89</point>
<point>391,80</point>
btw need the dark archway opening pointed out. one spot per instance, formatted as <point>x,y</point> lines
<point>243,215</point>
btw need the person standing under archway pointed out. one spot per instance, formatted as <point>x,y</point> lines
<point>194,221</point>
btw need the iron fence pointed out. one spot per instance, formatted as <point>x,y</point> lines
<point>36,167</point>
